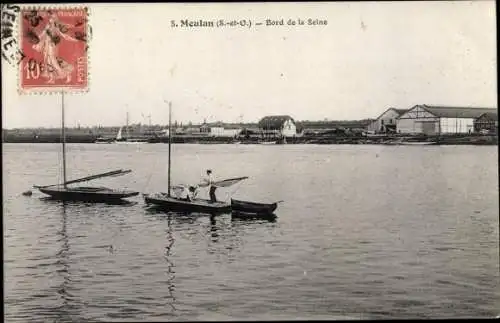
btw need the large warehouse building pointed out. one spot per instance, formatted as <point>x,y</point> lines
<point>428,119</point>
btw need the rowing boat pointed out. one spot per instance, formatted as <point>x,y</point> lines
<point>253,207</point>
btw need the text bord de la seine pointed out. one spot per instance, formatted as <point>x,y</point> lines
<point>246,23</point>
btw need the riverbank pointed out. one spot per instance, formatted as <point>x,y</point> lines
<point>455,139</point>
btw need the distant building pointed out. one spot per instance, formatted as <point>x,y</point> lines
<point>219,129</point>
<point>278,126</point>
<point>193,131</point>
<point>205,128</point>
<point>487,122</point>
<point>428,119</point>
<point>386,122</point>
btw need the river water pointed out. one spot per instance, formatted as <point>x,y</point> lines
<point>364,232</point>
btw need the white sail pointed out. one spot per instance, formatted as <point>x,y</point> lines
<point>119,134</point>
<point>226,182</point>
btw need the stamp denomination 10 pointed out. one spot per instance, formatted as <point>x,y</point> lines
<point>54,43</point>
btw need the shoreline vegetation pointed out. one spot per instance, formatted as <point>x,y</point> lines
<point>78,136</point>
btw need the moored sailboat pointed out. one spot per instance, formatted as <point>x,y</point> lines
<point>167,202</point>
<point>87,193</point>
<point>83,193</point>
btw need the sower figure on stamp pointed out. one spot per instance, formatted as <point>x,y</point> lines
<point>49,39</point>
<point>209,180</point>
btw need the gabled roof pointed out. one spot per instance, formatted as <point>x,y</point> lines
<point>398,111</point>
<point>274,122</point>
<point>489,116</point>
<point>457,112</point>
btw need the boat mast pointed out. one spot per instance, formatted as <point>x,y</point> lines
<point>63,135</point>
<point>169,142</point>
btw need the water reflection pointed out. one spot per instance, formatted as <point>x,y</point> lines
<point>87,203</point>
<point>213,229</point>
<point>242,216</point>
<point>63,312</point>
<point>170,265</point>
<point>180,214</point>
<point>224,239</point>
<point>180,217</point>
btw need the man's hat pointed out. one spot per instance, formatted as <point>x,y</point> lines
<point>209,170</point>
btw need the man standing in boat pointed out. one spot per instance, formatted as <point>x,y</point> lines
<point>209,181</point>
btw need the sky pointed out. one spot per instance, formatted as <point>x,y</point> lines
<point>370,56</point>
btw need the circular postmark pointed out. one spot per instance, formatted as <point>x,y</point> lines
<point>10,47</point>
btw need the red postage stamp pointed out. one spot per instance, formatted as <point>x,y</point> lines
<point>54,43</point>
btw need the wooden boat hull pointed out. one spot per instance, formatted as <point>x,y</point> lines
<point>409,143</point>
<point>131,142</point>
<point>87,194</point>
<point>166,203</point>
<point>418,143</point>
<point>253,207</point>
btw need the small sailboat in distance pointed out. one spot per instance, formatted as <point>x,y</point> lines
<point>119,135</point>
<point>83,193</point>
<point>120,139</point>
<point>167,202</point>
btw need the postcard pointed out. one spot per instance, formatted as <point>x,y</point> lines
<point>248,161</point>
